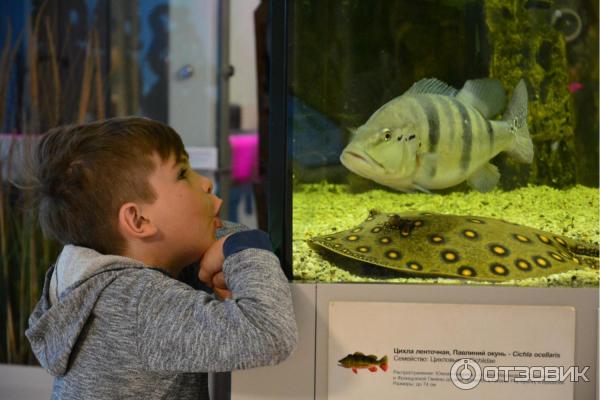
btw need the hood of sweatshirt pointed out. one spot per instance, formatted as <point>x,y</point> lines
<point>71,289</point>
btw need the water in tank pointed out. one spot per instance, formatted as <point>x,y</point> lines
<point>444,141</point>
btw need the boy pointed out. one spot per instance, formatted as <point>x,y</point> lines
<point>113,322</point>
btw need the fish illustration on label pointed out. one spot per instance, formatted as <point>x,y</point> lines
<point>359,360</point>
<point>435,137</point>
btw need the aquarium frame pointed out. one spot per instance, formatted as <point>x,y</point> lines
<point>279,181</point>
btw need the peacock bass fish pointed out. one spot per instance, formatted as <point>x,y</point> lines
<point>358,361</point>
<point>455,246</point>
<point>435,137</point>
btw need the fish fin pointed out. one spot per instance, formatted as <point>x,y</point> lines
<point>373,369</point>
<point>485,178</point>
<point>516,117</point>
<point>383,363</point>
<point>486,95</point>
<point>427,162</point>
<point>432,86</point>
<point>421,189</point>
<point>355,370</point>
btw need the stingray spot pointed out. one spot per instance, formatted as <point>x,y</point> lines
<point>470,234</point>
<point>436,239</point>
<point>426,214</point>
<point>394,221</point>
<point>337,245</point>
<point>363,249</point>
<point>565,254</point>
<point>499,269</point>
<point>393,254</point>
<point>544,239</point>
<point>418,223</point>
<point>356,230</point>
<point>415,266</point>
<point>521,238</point>
<point>450,256</point>
<point>377,229</point>
<point>476,220</point>
<point>556,256</point>
<point>405,232</point>
<point>576,260</point>
<point>522,264</point>
<point>352,238</point>
<point>499,250</point>
<point>560,241</point>
<point>467,271</point>
<point>541,262</point>
<point>385,240</point>
<point>329,238</point>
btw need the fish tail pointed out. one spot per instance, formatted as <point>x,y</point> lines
<point>383,363</point>
<point>516,117</point>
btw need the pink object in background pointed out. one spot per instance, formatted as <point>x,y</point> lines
<point>575,87</point>
<point>244,157</point>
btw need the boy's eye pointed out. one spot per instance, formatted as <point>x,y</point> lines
<point>182,174</point>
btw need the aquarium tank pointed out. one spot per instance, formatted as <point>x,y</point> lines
<point>436,141</point>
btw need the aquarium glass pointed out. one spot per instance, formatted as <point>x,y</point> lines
<point>444,141</point>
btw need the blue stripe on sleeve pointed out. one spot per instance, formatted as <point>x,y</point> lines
<point>252,239</point>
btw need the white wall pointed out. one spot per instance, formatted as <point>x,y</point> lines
<point>19,382</point>
<point>193,40</point>
<point>243,57</point>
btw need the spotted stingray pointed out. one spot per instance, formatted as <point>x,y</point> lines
<point>454,246</point>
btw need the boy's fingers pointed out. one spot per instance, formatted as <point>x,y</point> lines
<point>218,280</point>
<point>205,277</point>
<point>222,293</point>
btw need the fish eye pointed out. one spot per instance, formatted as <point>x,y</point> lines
<point>387,134</point>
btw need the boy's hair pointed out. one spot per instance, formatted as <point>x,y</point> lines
<point>84,173</point>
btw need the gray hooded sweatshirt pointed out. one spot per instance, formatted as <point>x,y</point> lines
<point>110,327</point>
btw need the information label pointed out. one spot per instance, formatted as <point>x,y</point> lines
<point>451,351</point>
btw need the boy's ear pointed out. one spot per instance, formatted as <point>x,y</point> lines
<point>133,223</point>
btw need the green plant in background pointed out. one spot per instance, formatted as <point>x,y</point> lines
<point>526,44</point>
<point>51,96</point>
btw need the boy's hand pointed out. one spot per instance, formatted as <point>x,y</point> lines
<point>211,269</point>
<point>219,286</point>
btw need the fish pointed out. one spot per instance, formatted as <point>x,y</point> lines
<point>358,361</point>
<point>425,244</point>
<point>435,137</point>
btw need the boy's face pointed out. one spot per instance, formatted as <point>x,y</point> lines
<point>185,212</point>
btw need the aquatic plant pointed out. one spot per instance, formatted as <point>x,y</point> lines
<point>530,48</point>
<point>49,90</point>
